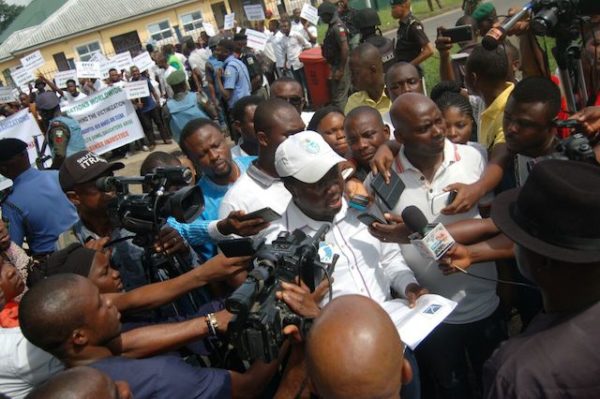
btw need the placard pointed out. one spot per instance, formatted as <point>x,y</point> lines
<point>209,29</point>
<point>310,14</point>
<point>87,70</point>
<point>228,22</point>
<point>22,77</point>
<point>136,89</point>
<point>107,119</point>
<point>97,56</point>
<point>122,61</point>
<point>7,95</point>
<point>61,77</point>
<point>254,12</point>
<point>256,40</point>
<point>143,61</point>
<point>33,61</point>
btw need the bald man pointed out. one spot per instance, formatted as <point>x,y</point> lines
<point>82,383</point>
<point>366,73</point>
<point>335,346</point>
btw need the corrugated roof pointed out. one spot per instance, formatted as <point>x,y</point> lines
<point>34,14</point>
<point>13,41</point>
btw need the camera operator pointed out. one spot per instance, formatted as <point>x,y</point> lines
<point>77,177</point>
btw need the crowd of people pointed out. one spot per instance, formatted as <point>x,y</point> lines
<point>96,304</point>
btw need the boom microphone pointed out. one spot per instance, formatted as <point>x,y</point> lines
<point>495,36</point>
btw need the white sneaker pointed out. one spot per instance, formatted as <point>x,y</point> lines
<point>145,148</point>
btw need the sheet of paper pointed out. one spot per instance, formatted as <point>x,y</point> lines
<point>209,29</point>
<point>7,95</point>
<point>33,61</point>
<point>61,77</point>
<point>256,40</point>
<point>88,70</point>
<point>22,77</point>
<point>123,61</point>
<point>228,21</point>
<point>310,14</point>
<point>254,12</point>
<point>137,89</point>
<point>143,61</point>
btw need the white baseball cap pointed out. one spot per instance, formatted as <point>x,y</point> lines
<point>306,157</point>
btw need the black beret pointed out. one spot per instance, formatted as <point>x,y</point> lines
<point>10,147</point>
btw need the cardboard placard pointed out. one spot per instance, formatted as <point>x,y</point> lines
<point>22,77</point>
<point>256,40</point>
<point>143,61</point>
<point>33,61</point>
<point>7,95</point>
<point>122,61</point>
<point>228,21</point>
<point>136,89</point>
<point>60,78</point>
<point>254,12</point>
<point>310,14</point>
<point>88,69</point>
<point>209,29</point>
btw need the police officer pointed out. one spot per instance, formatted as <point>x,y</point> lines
<point>253,64</point>
<point>412,44</point>
<point>335,50</point>
<point>367,22</point>
<point>63,133</point>
<point>348,16</point>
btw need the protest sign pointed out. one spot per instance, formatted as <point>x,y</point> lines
<point>22,126</point>
<point>122,61</point>
<point>209,29</point>
<point>254,12</point>
<point>97,56</point>
<point>143,61</point>
<point>256,40</point>
<point>310,14</point>
<point>33,61</point>
<point>7,95</point>
<point>22,77</point>
<point>107,119</point>
<point>60,78</point>
<point>87,69</point>
<point>228,21</point>
<point>136,89</point>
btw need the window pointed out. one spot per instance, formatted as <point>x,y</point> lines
<point>160,31</point>
<point>86,51</point>
<point>191,21</point>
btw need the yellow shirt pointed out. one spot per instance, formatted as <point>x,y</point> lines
<point>361,98</point>
<point>491,131</point>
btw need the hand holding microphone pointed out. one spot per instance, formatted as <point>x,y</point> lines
<point>497,34</point>
<point>432,240</point>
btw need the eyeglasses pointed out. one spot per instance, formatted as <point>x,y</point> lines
<point>293,100</point>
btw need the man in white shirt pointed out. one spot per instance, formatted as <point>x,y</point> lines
<point>293,43</point>
<point>427,163</point>
<point>72,94</point>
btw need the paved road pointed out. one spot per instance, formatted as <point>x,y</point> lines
<point>449,18</point>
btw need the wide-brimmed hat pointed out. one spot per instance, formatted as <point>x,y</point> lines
<point>556,213</point>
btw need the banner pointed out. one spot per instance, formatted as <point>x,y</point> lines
<point>136,89</point>
<point>22,126</point>
<point>107,118</point>
<point>33,61</point>
<point>228,21</point>
<point>143,61</point>
<point>60,78</point>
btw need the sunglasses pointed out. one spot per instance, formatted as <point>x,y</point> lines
<point>293,100</point>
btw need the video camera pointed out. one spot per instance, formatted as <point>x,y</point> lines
<point>257,327</point>
<point>143,214</point>
<point>560,17</point>
<point>576,147</point>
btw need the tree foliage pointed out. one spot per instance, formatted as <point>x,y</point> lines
<point>8,12</point>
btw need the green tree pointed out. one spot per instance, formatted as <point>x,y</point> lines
<point>8,12</point>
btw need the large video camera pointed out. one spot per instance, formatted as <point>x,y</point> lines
<point>577,146</point>
<point>144,214</point>
<point>560,17</point>
<point>256,329</point>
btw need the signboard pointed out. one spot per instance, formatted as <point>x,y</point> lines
<point>33,61</point>
<point>60,78</point>
<point>256,40</point>
<point>136,89</point>
<point>122,61</point>
<point>87,69</point>
<point>22,77</point>
<point>254,12</point>
<point>143,61</point>
<point>7,95</point>
<point>209,29</point>
<point>228,22</point>
<point>22,126</point>
<point>107,119</point>
<point>310,14</point>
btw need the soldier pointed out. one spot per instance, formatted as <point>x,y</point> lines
<point>412,44</point>
<point>367,22</point>
<point>335,50</point>
<point>348,16</point>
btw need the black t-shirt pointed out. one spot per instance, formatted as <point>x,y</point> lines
<point>410,39</point>
<point>336,36</point>
<point>166,377</point>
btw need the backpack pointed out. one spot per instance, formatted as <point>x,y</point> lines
<point>182,112</point>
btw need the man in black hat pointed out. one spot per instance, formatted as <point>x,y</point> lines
<point>36,208</point>
<point>335,49</point>
<point>62,132</point>
<point>553,220</point>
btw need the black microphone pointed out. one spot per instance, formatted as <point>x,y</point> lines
<point>495,36</point>
<point>432,240</point>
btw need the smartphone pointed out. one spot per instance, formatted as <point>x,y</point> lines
<point>237,247</point>
<point>462,33</point>
<point>388,193</point>
<point>372,215</point>
<point>441,201</point>
<point>267,214</point>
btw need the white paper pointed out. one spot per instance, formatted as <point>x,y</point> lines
<point>256,40</point>
<point>310,14</point>
<point>7,95</point>
<point>88,69</point>
<point>228,21</point>
<point>416,323</point>
<point>254,12</point>
<point>122,61</point>
<point>61,77</point>
<point>136,89</point>
<point>33,61</point>
<point>209,29</point>
<point>22,77</point>
<point>143,61</point>
<point>97,56</point>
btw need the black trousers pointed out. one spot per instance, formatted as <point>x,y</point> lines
<point>146,119</point>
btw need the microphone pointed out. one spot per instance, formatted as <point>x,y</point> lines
<point>492,39</point>
<point>432,240</point>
